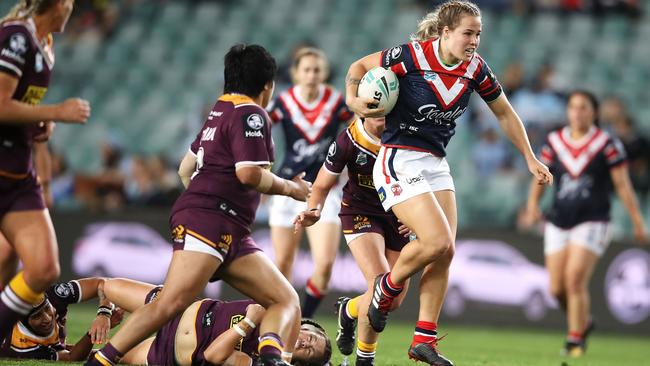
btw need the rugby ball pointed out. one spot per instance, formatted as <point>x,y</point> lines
<point>381,85</point>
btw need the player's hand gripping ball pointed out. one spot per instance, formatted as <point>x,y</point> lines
<point>381,85</point>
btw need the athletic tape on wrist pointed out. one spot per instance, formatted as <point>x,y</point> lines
<point>239,331</point>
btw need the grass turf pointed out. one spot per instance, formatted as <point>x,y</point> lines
<point>475,346</point>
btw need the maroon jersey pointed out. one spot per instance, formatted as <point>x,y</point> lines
<point>237,132</point>
<point>23,56</point>
<point>357,150</point>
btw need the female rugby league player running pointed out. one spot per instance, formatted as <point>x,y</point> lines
<point>26,64</point>
<point>225,172</point>
<point>438,70</point>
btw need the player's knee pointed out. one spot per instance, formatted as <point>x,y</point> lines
<point>43,275</point>
<point>574,282</point>
<point>434,248</point>
<point>446,257</point>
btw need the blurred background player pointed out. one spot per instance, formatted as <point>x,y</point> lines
<point>41,334</point>
<point>26,63</point>
<point>438,71</point>
<point>374,236</point>
<point>588,163</point>
<point>311,114</point>
<point>225,171</point>
<point>210,331</point>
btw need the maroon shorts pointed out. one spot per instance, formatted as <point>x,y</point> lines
<point>385,225</point>
<point>161,351</point>
<point>211,232</point>
<point>20,195</point>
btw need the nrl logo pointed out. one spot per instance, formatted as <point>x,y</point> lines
<point>362,159</point>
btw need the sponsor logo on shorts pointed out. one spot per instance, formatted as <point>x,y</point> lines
<point>178,234</point>
<point>413,180</point>
<point>366,181</point>
<point>361,222</point>
<point>63,290</point>
<point>208,320</point>
<point>234,320</point>
<point>396,189</point>
<point>362,159</point>
<point>225,243</point>
<point>382,194</point>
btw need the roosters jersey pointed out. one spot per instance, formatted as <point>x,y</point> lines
<point>309,129</point>
<point>24,57</point>
<point>432,95</point>
<point>582,180</point>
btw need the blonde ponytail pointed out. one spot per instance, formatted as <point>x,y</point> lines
<point>447,14</point>
<point>26,8</point>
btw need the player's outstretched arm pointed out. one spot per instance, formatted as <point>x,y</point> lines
<point>621,179</point>
<point>514,129</point>
<point>73,110</point>
<point>78,352</point>
<point>321,188</point>
<point>361,106</point>
<point>264,181</point>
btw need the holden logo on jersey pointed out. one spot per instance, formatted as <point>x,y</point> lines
<point>63,290</point>
<point>396,189</point>
<point>253,134</point>
<point>362,159</point>
<point>18,43</point>
<point>255,121</point>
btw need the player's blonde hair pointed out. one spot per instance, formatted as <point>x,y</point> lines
<point>447,14</point>
<point>309,51</point>
<point>26,8</point>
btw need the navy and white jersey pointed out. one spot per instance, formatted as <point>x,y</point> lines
<point>432,95</point>
<point>309,129</point>
<point>582,179</point>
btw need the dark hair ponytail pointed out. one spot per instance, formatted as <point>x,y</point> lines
<point>247,69</point>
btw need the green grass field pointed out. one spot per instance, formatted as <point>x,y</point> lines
<point>475,346</point>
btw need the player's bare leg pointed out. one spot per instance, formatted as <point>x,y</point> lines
<point>579,268</point>
<point>373,259</point>
<point>127,294</point>
<point>32,236</point>
<point>555,266</point>
<point>433,288</point>
<point>425,217</point>
<point>187,276</point>
<point>8,262</point>
<point>138,355</point>
<point>266,286</point>
<point>324,239</point>
<point>285,246</point>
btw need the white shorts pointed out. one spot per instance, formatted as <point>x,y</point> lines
<point>400,174</point>
<point>283,209</point>
<point>593,235</point>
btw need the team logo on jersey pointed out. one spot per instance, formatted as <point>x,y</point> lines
<point>382,194</point>
<point>18,43</point>
<point>396,189</point>
<point>178,234</point>
<point>38,63</point>
<point>362,159</point>
<point>366,181</point>
<point>395,52</point>
<point>63,290</point>
<point>255,121</point>
<point>361,222</point>
<point>430,76</point>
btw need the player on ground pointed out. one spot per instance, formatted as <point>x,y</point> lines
<point>42,334</point>
<point>311,114</point>
<point>210,331</point>
<point>374,236</point>
<point>225,171</point>
<point>588,163</point>
<point>26,62</point>
<point>438,71</point>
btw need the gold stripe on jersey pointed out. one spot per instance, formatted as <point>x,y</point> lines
<point>23,339</point>
<point>360,138</point>
<point>236,99</point>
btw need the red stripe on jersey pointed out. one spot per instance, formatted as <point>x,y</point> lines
<point>383,167</point>
<point>275,116</point>
<point>399,69</point>
<point>412,148</point>
<point>311,114</point>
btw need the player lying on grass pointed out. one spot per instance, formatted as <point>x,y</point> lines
<point>41,334</point>
<point>211,332</point>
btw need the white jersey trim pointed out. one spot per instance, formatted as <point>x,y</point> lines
<point>330,172</point>
<point>11,67</point>
<point>576,165</point>
<point>241,164</point>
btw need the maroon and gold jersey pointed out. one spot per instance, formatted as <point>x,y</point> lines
<point>237,132</point>
<point>357,150</point>
<point>23,56</point>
